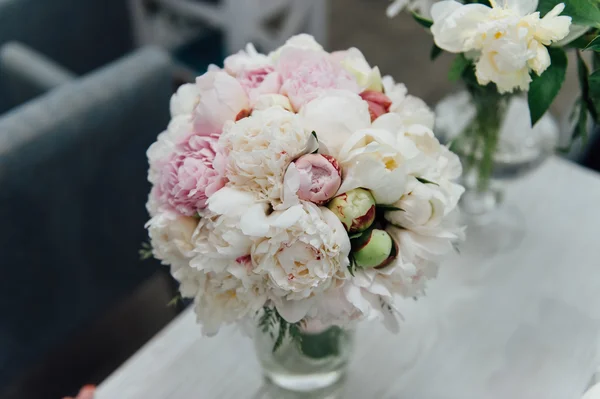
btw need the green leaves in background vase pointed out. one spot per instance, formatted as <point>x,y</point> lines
<point>458,67</point>
<point>582,12</point>
<point>544,88</point>
<point>425,22</point>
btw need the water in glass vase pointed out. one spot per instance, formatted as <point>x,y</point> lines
<point>314,363</point>
<point>517,148</point>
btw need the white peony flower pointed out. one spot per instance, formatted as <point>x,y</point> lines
<point>227,297</point>
<point>423,206</point>
<point>426,208</point>
<point>379,161</point>
<point>222,99</point>
<point>509,38</point>
<point>247,59</point>
<point>302,41</point>
<point>260,148</point>
<point>219,240</point>
<point>171,238</point>
<point>304,250</point>
<point>353,61</point>
<point>411,109</point>
<point>335,116</point>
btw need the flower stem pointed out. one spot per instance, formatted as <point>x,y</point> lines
<point>479,141</point>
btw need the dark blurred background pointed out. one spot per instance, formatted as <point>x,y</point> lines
<point>84,90</point>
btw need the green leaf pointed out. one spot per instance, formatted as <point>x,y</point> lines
<point>592,100</point>
<point>580,129</point>
<point>580,43</point>
<point>146,251</point>
<point>594,44</point>
<point>544,88</point>
<point>459,65</point>
<point>581,126</point>
<point>176,299</point>
<point>422,20</point>
<point>435,52</point>
<point>352,265</point>
<point>324,344</point>
<point>425,181</point>
<point>582,12</point>
<point>590,93</point>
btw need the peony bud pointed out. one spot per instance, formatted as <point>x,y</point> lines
<point>375,248</point>
<point>319,177</point>
<point>379,103</point>
<point>355,209</point>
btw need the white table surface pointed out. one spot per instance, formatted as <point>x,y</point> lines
<point>521,324</point>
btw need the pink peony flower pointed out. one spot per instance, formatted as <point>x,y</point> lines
<point>193,173</point>
<point>319,177</point>
<point>379,103</point>
<point>260,81</point>
<point>221,99</point>
<point>308,73</point>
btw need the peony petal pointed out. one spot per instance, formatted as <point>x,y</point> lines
<point>230,201</point>
<point>334,117</point>
<point>293,311</point>
<point>355,296</point>
<point>575,31</point>
<point>254,222</point>
<point>455,25</point>
<point>184,100</point>
<point>289,217</point>
<point>522,7</point>
<point>291,184</point>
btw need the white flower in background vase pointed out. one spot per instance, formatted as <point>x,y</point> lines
<point>508,39</point>
<point>260,147</point>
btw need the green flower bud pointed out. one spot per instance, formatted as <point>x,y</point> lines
<point>355,209</point>
<point>375,248</point>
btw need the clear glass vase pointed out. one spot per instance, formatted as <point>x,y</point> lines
<point>309,364</point>
<point>492,135</point>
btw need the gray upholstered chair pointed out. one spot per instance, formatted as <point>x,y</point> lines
<point>72,193</point>
<point>79,35</point>
<point>27,73</point>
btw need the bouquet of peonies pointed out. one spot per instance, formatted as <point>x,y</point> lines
<point>302,183</point>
